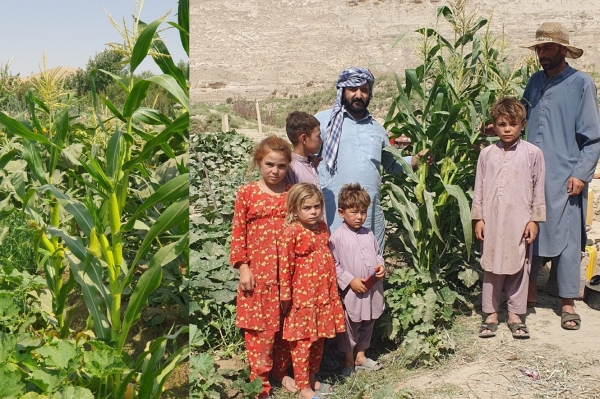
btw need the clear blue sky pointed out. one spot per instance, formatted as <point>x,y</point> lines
<point>71,31</point>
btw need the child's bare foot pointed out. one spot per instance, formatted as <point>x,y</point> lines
<point>289,384</point>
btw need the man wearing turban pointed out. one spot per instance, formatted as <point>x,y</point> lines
<point>353,144</point>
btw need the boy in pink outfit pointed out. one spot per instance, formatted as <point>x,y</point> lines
<point>508,204</point>
<point>360,275</point>
<point>304,132</point>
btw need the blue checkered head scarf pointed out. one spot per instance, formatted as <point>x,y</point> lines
<point>351,77</point>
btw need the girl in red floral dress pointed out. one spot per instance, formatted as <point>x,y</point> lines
<point>308,287</point>
<point>257,224</point>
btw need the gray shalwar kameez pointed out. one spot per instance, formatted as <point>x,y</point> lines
<point>562,120</point>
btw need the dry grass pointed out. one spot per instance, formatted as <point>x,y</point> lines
<point>478,369</point>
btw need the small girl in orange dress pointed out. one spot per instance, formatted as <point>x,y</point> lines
<point>308,287</point>
<point>257,225</point>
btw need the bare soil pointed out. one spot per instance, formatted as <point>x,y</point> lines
<point>257,49</point>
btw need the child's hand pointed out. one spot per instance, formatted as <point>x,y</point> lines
<point>479,226</point>
<point>246,278</point>
<point>358,286</point>
<point>531,231</point>
<point>285,307</point>
<point>379,271</point>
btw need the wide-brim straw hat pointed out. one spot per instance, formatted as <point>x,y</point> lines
<point>555,32</point>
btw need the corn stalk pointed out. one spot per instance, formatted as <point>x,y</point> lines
<point>441,105</point>
<point>105,210</point>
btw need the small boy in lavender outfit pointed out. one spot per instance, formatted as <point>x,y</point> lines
<point>360,275</point>
<point>303,131</point>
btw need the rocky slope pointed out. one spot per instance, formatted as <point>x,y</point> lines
<point>260,48</point>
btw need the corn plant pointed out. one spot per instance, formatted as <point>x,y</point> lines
<point>92,229</point>
<point>441,106</point>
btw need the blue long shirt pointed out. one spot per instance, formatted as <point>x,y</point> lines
<point>360,157</point>
<point>563,121</point>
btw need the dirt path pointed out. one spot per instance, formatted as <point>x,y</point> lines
<point>568,362</point>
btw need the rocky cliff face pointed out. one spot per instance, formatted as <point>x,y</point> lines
<point>260,48</point>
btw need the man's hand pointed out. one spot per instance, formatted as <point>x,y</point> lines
<point>246,278</point>
<point>488,130</point>
<point>414,161</point>
<point>530,232</point>
<point>358,286</point>
<point>574,186</point>
<point>479,226</point>
<point>315,160</point>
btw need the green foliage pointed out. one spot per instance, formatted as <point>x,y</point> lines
<point>218,166</point>
<point>16,242</point>
<point>204,379</point>
<point>106,199</point>
<point>108,60</point>
<point>441,106</point>
<point>10,86</point>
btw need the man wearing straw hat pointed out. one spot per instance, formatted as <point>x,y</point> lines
<point>563,121</point>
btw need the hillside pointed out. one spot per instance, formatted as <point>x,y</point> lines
<point>276,48</point>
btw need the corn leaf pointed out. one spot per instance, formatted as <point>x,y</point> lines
<point>15,127</point>
<point>100,178</point>
<point>176,213</point>
<point>148,283</point>
<point>87,272</point>
<point>77,209</point>
<point>6,158</point>
<point>122,82</point>
<point>31,153</point>
<point>178,125</point>
<point>428,197</point>
<point>165,63</point>
<point>401,208</point>
<point>113,109</point>
<point>183,19</point>
<point>174,189</point>
<point>29,96</point>
<point>171,85</point>
<point>408,170</point>
<point>151,117</point>
<point>114,155</point>
<point>142,45</point>
<point>135,97</point>
<point>61,128</point>
<point>465,213</point>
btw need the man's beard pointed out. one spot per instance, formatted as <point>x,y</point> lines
<point>357,104</point>
<point>551,63</point>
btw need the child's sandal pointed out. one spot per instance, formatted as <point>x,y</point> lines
<point>492,327</point>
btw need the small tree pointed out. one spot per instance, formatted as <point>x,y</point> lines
<point>108,60</point>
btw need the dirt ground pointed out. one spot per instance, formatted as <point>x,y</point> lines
<point>567,362</point>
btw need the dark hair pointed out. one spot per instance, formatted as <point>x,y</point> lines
<point>298,123</point>
<point>353,196</point>
<point>509,108</point>
<point>271,143</point>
